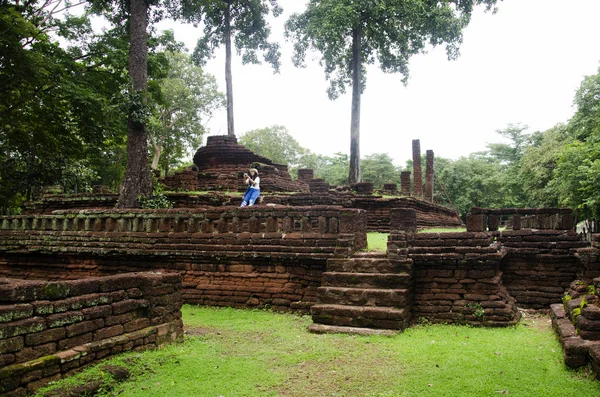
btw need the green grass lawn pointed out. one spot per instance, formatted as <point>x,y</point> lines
<point>377,241</point>
<point>229,352</point>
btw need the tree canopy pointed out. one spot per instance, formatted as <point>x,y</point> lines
<point>350,34</point>
<point>183,100</point>
<point>245,22</point>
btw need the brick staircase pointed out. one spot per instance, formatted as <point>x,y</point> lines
<point>365,293</point>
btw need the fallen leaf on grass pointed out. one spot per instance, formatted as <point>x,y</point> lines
<point>502,391</point>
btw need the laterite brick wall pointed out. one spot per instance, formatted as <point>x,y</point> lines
<point>49,329</point>
<point>250,257</point>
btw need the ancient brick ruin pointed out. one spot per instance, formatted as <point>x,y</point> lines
<point>80,259</point>
<point>51,329</point>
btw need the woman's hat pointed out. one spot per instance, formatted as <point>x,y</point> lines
<point>253,169</point>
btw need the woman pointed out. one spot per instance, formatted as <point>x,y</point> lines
<point>253,191</point>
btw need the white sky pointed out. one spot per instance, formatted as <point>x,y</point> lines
<point>521,65</point>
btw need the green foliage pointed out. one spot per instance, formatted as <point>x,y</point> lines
<point>392,32</point>
<point>78,177</point>
<point>248,28</point>
<point>378,169</point>
<point>478,311</point>
<point>158,199</point>
<point>538,166</point>
<point>276,144</point>
<point>55,103</point>
<point>334,170</point>
<point>183,100</point>
<point>591,289</point>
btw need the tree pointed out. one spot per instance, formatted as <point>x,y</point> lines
<point>242,20</point>
<point>349,34</point>
<point>138,180</point>
<point>509,156</point>
<point>379,169</point>
<point>274,143</point>
<point>332,169</point>
<point>476,180</point>
<point>184,100</point>
<point>538,166</point>
<point>55,104</point>
<point>577,173</point>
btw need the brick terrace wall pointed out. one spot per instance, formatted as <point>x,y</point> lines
<point>539,264</point>
<point>428,214</point>
<point>49,329</point>
<point>71,202</point>
<point>481,219</point>
<point>533,267</point>
<point>458,280</point>
<point>232,257</point>
<point>184,180</point>
<point>378,208</point>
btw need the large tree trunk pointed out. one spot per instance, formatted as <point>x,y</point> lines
<point>354,171</point>
<point>228,79</point>
<point>138,180</point>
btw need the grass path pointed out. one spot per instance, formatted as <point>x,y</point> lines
<point>230,352</point>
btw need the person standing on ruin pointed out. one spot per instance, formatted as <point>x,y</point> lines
<point>253,191</point>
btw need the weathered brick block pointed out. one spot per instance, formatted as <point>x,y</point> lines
<point>84,327</point>
<point>50,335</point>
<point>75,341</point>
<point>62,319</point>
<point>11,345</point>
<point>31,353</point>
<point>96,312</point>
<point>136,324</point>
<point>15,312</point>
<point>128,305</point>
<point>109,332</point>
<point>21,327</point>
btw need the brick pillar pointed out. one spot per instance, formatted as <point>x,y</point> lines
<point>305,174</point>
<point>429,176</point>
<point>405,183</point>
<point>403,219</point>
<point>417,173</point>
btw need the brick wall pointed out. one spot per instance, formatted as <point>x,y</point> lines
<point>49,329</point>
<point>428,214</point>
<point>539,264</point>
<point>458,280</point>
<point>250,257</point>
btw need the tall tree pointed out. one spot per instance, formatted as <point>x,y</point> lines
<point>350,33</point>
<point>138,180</point>
<point>245,22</point>
<point>183,101</point>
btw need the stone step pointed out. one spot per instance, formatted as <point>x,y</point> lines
<point>336,329</point>
<point>367,280</point>
<point>371,254</point>
<point>359,316</point>
<point>362,296</point>
<point>368,265</point>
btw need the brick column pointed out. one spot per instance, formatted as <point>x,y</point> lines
<point>417,173</point>
<point>405,183</point>
<point>305,174</point>
<point>429,176</point>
